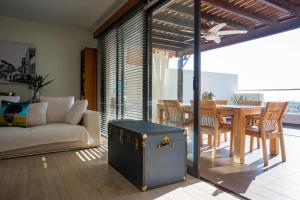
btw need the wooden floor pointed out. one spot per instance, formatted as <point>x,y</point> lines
<point>85,175</point>
<point>277,181</point>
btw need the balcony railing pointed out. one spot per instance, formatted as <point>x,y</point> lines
<point>292,95</point>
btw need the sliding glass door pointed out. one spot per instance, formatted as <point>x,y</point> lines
<point>173,78</point>
<point>149,70</point>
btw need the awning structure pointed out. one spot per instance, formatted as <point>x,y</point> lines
<point>173,24</point>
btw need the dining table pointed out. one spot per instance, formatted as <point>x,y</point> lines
<point>238,114</point>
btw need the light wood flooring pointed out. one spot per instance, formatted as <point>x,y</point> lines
<point>85,175</point>
<point>277,181</point>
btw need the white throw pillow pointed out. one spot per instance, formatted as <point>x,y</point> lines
<point>75,114</point>
<point>37,114</point>
<point>15,99</point>
<point>58,107</point>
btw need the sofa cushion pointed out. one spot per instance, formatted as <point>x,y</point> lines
<point>14,114</point>
<point>37,114</point>
<point>58,107</point>
<point>12,138</point>
<point>14,99</point>
<point>75,114</point>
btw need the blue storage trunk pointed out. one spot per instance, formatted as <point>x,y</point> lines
<point>149,155</point>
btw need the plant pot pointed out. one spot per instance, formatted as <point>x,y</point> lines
<point>35,99</point>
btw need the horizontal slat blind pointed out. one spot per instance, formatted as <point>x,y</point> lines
<point>131,64</point>
<point>108,84</point>
<point>121,73</point>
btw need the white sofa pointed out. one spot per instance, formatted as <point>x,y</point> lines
<point>52,137</point>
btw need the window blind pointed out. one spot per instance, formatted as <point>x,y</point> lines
<point>131,64</point>
<point>108,104</point>
<point>122,71</point>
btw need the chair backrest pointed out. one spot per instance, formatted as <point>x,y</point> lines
<point>273,115</point>
<point>221,102</point>
<point>249,102</point>
<point>174,113</point>
<point>274,111</point>
<point>160,101</point>
<point>208,114</point>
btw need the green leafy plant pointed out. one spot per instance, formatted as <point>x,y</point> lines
<point>207,95</point>
<point>236,98</point>
<point>36,83</point>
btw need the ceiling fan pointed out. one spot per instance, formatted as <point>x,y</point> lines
<point>214,33</point>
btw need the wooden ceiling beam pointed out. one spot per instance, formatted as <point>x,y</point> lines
<point>162,7</point>
<point>188,11</point>
<point>156,33</point>
<point>283,6</point>
<point>219,20</point>
<point>165,47</point>
<point>254,34</point>
<point>231,8</point>
<point>172,43</point>
<point>175,20</point>
<point>171,30</point>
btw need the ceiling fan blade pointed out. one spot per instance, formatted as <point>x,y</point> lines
<point>216,28</point>
<point>217,39</point>
<point>233,32</point>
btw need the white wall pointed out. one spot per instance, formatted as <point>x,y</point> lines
<point>221,84</point>
<point>57,53</point>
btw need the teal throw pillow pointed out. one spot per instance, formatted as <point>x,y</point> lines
<point>14,114</point>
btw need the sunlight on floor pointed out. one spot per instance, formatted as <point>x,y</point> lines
<point>44,162</point>
<point>171,194</point>
<point>253,179</point>
<point>91,154</point>
<point>195,191</point>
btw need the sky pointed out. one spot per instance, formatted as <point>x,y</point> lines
<point>271,62</point>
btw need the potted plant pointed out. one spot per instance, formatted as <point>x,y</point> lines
<point>207,95</point>
<point>36,83</point>
<point>236,98</point>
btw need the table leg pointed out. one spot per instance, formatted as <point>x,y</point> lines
<point>239,136</point>
<point>274,146</point>
<point>209,141</point>
<point>160,114</point>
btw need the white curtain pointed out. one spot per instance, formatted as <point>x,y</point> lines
<point>160,64</point>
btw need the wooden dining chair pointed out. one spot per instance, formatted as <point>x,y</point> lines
<point>224,119</point>
<point>211,124</point>
<point>270,127</point>
<point>161,116</point>
<point>250,120</point>
<point>175,114</point>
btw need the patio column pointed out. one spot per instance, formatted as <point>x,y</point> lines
<point>180,79</point>
<point>181,63</point>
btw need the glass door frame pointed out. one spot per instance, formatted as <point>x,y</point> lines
<point>149,8</point>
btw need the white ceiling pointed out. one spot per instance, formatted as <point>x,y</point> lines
<point>86,14</point>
